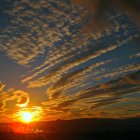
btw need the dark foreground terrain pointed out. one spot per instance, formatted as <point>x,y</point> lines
<point>72,136</point>
<point>78,129</point>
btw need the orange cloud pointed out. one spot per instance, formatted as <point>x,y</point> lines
<point>21,97</point>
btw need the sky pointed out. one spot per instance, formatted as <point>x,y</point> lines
<point>62,60</point>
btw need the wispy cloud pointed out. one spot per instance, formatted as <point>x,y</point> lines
<point>1,86</point>
<point>20,98</point>
<point>83,57</point>
<point>108,95</point>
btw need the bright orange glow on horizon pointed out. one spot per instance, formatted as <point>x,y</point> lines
<point>24,117</point>
<point>18,127</point>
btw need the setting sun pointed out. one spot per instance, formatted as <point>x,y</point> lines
<point>27,117</point>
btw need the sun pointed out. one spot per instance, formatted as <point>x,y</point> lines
<point>26,117</point>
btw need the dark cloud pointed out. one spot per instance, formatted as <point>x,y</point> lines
<point>101,8</point>
<point>131,8</point>
<point>131,79</point>
<point>103,94</point>
<point>105,102</point>
<point>66,78</point>
<point>66,103</point>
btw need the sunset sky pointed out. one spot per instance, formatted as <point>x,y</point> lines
<point>55,65</point>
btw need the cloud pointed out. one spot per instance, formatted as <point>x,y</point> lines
<point>1,86</point>
<point>79,79</point>
<point>116,94</point>
<point>34,30</point>
<point>20,98</point>
<point>23,102</point>
<point>131,8</point>
<point>137,55</point>
<point>30,32</point>
<point>77,60</point>
<point>100,10</point>
<point>119,71</point>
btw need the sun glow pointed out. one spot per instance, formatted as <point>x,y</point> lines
<point>26,117</point>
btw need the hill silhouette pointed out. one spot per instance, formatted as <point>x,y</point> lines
<point>82,129</point>
<point>90,125</point>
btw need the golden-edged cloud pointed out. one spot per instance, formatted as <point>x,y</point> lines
<point>115,94</point>
<point>20,98</point>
